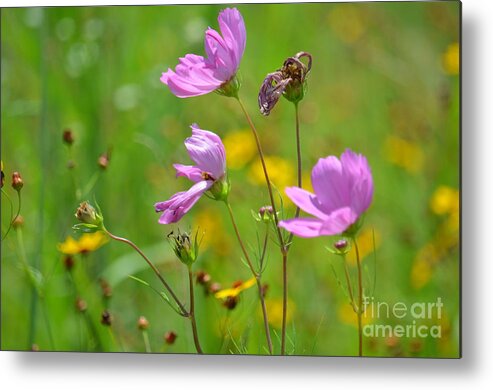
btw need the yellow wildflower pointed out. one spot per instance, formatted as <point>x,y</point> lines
<point>348,316</point>
<point>281,173</point>
<point>365,245</point>
<point>348,22</point>
<point>237,288</point>
<point>445,200</point>
<point>88,242</point>
<point>451,59</point>
<point>214,236</point>
<point>274,309</point>
<point>405,154</point>
<point>240,148</point>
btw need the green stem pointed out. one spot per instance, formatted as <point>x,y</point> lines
<point>257,278</point>
<point>153,267</point>
<point>12,220</point>
<point>147,344</point>
<point>360,300</point>
<point>282,244</point>
<point>192,313</point>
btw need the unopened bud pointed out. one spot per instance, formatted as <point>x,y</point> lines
<point>185,247</point>
<point>91,219</point>
<point>142,323</point>
<point>68,262</point>
<point>341,244</point>
<point>80,305</point>
<point>230,302</point>
<point>18,222</point>
<point>170,337</point>
<point>203,278</point>
<point>17,182</point>
<point>106,288</point>
<point>214,288</point>
<point>106,318</point>
<point>104,160</point>
<point>68,137</point>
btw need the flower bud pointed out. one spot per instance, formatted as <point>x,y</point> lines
<point>106,318</point>
<point>265,214</point>
<point>91,219</point>
<point>340,245</point>
<point>17,182</point>
<point>18,222</point>
<point>214,288</point>
<point>105,288</point>
<point>68,137</point>
<point>230,302</point>
<point>142,323</point>
<point>185,248</point>
<point>68,262</point>
<point>170,337</point>
<point>80,305</point>
<point>202,277</point>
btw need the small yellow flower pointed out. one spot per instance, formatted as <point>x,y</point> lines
<point>405,154</point>
<point>88,242</point>
<point>348,316</point>
<point>235,290</point>
<point>274,310</point>
<point>214,235</point>
<point>445,200</point>
<point>348,22</point>
<point>281,172</point>
<point>422,268</point>
<point>365,245</point>
<point>240,148</point>
<point>451,59</point>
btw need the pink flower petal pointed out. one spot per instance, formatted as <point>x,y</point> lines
<point>189,171</point>
<point>181,202</point>
<point>207,151</point>
<point>306,201</point>
<point>338,221</point>
<point>302,227</point>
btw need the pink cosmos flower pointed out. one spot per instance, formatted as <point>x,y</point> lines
<point>343,192</point>
<point>196,75</point>
<point>206,149</point>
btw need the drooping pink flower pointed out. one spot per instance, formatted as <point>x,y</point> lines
<point>196,75</point>
<point>343,192</point>
<point>206,149</point>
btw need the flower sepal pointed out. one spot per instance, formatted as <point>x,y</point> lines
<point>230,88</point>
<point>86,228</point>
<point>220,189</point>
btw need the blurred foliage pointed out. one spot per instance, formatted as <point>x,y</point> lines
<point>384,82</point>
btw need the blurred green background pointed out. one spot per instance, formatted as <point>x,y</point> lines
<point>384,82</point>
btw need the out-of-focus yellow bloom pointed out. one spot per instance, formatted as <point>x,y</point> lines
<point>422,268</point>
<point>274,310</point>
<point>235,290</point>
<point>451,59</point>
<point>348,316</point>
<point>88,242</point>
<point>348,22</point>
<point>365,245</point>
<point>281,172</point>
<point>404,154</point>
<point>240,148</point>
<point>445,200</point>
<point>214,236</point>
